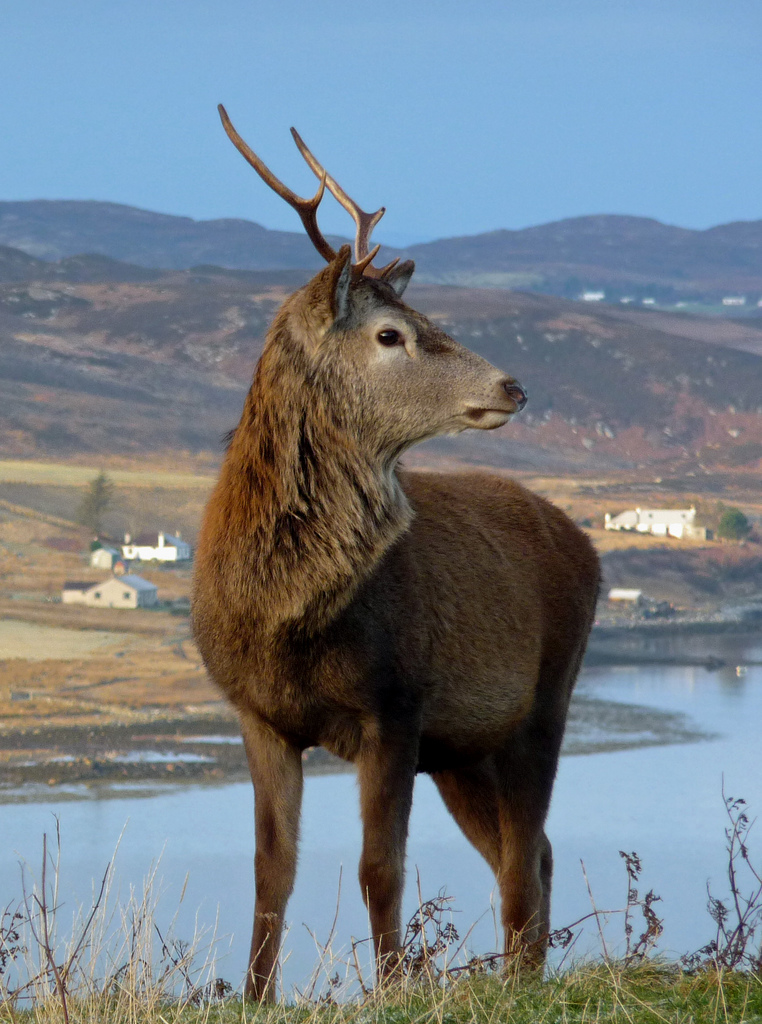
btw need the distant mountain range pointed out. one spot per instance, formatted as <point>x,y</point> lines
<point>623,256</point>
<point>100,356</point>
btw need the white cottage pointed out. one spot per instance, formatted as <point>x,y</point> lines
<point>662,522</point>
<point>156,547</point>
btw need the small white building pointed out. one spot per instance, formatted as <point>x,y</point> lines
<point>662,522</point>
<point>624,595</point>
<point>104,557</point>
<point>734,300</point>
<point>593,296</point>
<point>156,547</point>
<point>128,591</point>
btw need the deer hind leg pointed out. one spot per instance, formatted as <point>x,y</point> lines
<point>386,774</point>
<point>526,771</point>
<point>471,796</point>
<point>276,771</point>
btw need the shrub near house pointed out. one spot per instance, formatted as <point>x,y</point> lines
<point>733,525</point>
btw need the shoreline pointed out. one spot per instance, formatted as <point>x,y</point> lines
<point>202,745</point>
<point>191,747</point>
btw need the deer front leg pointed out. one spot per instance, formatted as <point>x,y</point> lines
<point>386,770</point>
<point>276,771</point>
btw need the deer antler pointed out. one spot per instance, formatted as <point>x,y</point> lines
<point>306,208</point>
<point>365,222</point>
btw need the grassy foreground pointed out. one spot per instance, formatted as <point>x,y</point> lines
<point>648,992</point>
<point>113,965</point>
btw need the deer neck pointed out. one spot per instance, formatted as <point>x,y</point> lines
<point>314,512</point>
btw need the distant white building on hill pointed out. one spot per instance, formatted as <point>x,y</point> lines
<point>128,591</point>
<point>156,547</point>
<point>104,557</point>
<point>662,522</point>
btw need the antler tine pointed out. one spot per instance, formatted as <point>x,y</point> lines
<point>306,208</point>
<point>366,261</point>
<point>365,222</point>
<point>388,267</point>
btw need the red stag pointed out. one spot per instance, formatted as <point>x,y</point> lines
<point>408,622</point>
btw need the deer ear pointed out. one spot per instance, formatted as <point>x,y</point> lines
<point>325,300</point>
<point>399,276</point>
<point>340,272</point>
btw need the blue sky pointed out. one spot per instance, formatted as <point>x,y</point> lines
<point>460,118</point>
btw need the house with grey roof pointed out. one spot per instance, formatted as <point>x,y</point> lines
<point>128,591</point>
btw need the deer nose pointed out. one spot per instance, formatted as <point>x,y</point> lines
<point>515,391</point>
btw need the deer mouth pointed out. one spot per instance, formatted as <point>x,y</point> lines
<point>488,419</point>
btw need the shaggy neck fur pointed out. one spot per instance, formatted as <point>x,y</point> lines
<point>308,512</point>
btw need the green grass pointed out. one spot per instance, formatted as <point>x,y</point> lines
<point>650,992</point>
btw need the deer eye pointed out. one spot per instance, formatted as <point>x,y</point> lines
<point>389,338</point>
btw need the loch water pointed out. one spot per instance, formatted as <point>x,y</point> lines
<point>659,797</point>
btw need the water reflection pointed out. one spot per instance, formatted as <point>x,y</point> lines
<point>731,648</point>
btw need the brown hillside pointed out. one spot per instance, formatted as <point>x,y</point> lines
<point>162,363</point>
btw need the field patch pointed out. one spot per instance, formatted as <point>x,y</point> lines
<point>63,474</point>
<point>33,642</point>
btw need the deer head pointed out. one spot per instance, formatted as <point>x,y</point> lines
<point>348,342</point>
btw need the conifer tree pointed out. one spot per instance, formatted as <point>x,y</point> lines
<point>95,502</point>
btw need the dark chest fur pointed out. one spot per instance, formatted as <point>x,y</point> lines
<point>323,687</point>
